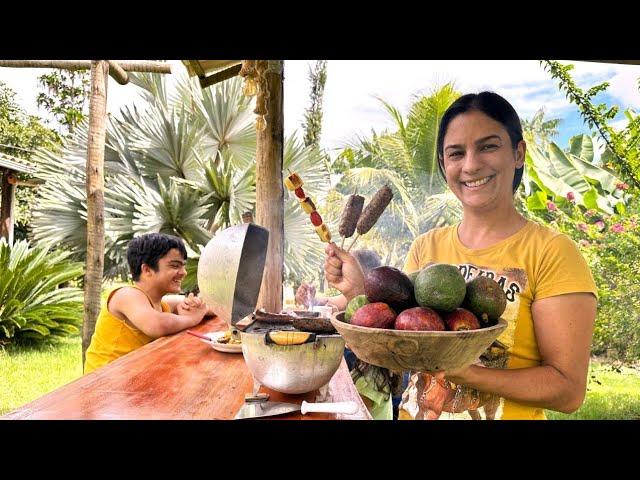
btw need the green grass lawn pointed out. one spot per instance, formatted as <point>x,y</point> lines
<point>30,373</point>
<point>612,394</point>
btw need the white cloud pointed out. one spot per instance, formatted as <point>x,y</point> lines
<point>350,108</point>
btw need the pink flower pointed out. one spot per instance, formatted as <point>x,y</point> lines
<point>590,213</point>
<point>552,206</point>
<point>617,228</point>
<point>585,243</point>
<point>622,186</point>
<point>600,225</point>
<point>583,227</point>
<point>571,197</point>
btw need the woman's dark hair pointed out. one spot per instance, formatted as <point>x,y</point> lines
<point>149,249</point>
<point>492,105</point>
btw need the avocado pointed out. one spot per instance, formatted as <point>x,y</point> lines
<point>440,286</point>
<point>391,286</point>
<point>486,299</point>
<point>354,304</point>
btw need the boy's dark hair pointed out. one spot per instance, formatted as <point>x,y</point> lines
<point>149,249</point>
<point>492,105</point>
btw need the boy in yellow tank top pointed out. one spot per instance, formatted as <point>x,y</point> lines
<point>551,294</point>
<point>134,316</point>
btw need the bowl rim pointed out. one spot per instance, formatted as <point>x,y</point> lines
<point>502,324</point>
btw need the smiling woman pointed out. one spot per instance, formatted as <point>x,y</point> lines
<point>541,359</point>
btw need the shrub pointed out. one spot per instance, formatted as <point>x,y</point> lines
<point>610,243</point>
<point>32,307</point>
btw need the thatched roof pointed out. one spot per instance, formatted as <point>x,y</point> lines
<point>212,71</point>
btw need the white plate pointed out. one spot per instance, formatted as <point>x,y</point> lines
<point>222,347</point>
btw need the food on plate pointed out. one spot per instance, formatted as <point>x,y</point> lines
<point>227,338</point>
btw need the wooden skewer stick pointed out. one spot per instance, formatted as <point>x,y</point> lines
<point>353,243</point>
<point>342,244</point>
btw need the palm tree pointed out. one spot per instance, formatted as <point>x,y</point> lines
<point>538,130</point>
<point>406,159</point>
<point>182,162</point>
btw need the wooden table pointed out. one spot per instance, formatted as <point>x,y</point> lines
<point>175,377</point>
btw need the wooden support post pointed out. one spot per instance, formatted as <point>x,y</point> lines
<point>270,191</point>
<point>7,207</point>
<point>95,200</point>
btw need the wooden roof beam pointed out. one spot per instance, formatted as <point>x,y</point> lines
<point>117,73</point>
<point>127,66</point>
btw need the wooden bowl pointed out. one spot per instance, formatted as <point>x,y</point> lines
<point>423,351</point>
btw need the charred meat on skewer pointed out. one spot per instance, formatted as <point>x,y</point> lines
<point>350,215</point>
<point>374,210</point>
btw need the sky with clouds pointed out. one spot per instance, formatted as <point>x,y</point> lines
<point>350,106</point>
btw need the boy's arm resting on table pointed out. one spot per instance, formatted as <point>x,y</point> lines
<point>563,327</point>
<point>135,306</point>
<point>174,300</point>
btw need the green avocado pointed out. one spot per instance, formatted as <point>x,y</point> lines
<point>354,304</point>
<point>440,286</point>
<point>486,299</point>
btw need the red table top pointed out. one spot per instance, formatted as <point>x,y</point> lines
<point>176,377</point>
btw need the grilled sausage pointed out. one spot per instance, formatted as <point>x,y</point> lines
<point>374,209</point>
<point>350,215</point>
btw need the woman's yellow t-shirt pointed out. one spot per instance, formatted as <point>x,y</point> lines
<point>113,338</point>
<point>534,263</point>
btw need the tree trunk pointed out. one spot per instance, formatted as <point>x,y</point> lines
<point>7,207</point>
<point>269,189</point>
<point>95,200</point>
